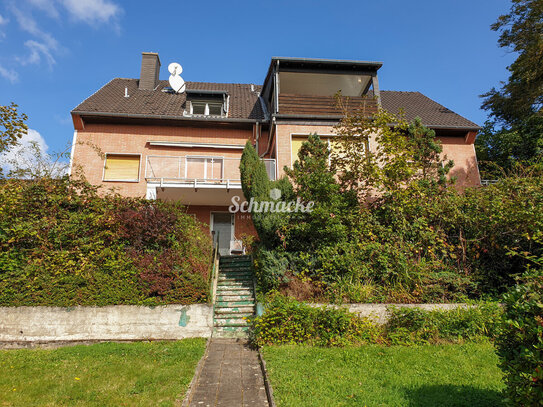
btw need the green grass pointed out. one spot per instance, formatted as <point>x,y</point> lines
<point>106,374</point>
<point>419,376</point>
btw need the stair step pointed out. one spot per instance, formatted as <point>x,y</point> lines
<point>222,317</point>
<point>234,298</point>
<point>237,322</point>
<point>234,259</point>
<point>235,275</point>
<point>233,304</point>
<point>240,264</point>
<point>229,290</point>
<point>234,310</point>
<point>235,279</point>
<point>240,284</point>
<point>230,332</point>
<point>235,271</point>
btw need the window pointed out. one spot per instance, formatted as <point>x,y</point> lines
<point>297,142</point>
<point>207,108</point>
<point>207,103</point>
<point>122,167</point>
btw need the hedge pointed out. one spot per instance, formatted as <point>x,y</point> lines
<point>65,243</point>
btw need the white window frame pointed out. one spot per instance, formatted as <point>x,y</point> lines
<point>121,180</point>
<point>206,109</point>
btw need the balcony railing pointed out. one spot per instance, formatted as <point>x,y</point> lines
<point>306,105</point>
<point>198,170</point>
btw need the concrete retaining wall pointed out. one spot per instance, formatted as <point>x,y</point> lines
<point>24,325</point>
<point>380,312</point>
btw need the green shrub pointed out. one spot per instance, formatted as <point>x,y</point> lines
<point>417,326</point>
<point>287,321</point>
<point>270,268</point>
<point>64,244</point>
<point>520,342</point>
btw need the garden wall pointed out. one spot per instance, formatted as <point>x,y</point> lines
<point>379,312</point>
<point>20,326</point>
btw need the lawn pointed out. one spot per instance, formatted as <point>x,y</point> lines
<point>418,376</point>
<point>106,374</point>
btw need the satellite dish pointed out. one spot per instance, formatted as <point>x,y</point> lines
<point>176,82</point>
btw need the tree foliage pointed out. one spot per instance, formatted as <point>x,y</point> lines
<point>12,127</point>
<point>381,155</point>
<point>515,131</point>
<point>521,31</point>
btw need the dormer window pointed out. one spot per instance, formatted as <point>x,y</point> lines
<point>207,103</point>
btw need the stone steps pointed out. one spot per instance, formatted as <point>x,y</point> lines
<point>235,300</point>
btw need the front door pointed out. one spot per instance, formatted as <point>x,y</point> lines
<point>222,225</point>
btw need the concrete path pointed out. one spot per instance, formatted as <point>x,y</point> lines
<point>230,376</point>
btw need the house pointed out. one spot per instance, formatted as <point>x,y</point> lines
<point>144,138</point>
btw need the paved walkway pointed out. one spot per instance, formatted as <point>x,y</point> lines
<point>231,376</point>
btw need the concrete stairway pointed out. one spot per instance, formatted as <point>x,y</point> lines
<point>235,299</point>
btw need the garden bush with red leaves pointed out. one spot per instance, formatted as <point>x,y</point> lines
<point>62,243</point>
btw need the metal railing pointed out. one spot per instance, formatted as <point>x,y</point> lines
<point>198,169</point>
<point>213,278</point>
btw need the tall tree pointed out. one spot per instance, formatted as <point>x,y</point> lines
<point>521,31</point>
<point>514,133</point>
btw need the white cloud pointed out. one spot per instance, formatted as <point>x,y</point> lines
<point>22,153</point>
<point>9,74</point>
<point>48,6</point>
<point>3,21</point>
<point>37,50</point>
<point>92,11</point>
<point>30,158</point>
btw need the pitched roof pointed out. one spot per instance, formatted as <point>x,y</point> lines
<point>432,113</point>
<point>109,100</point>
<point>244,103</point>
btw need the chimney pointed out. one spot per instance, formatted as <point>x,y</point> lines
<point>150,69</point>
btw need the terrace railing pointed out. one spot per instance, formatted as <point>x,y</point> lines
<point>198,170</point>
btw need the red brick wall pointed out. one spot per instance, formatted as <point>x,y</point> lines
<point>243,223</point>
<point>458,149</point>
<point>97,139</point>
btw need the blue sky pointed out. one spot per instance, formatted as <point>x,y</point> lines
<point>55,53</point>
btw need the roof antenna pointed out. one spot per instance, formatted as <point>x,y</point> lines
<point>126,95</point>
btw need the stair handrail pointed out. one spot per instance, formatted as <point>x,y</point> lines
<point>214,268</point>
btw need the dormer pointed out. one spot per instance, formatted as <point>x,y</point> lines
<point>307,88</point>
<point>212,103</point>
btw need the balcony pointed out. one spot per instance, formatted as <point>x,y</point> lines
<point>197,171</point>
<point>313,105</point>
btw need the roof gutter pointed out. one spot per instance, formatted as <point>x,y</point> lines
<point>164,117</point>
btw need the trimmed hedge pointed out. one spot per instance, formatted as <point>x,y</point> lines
<point>520,343</point>
<point>287,321</point>
<point>62,244</point>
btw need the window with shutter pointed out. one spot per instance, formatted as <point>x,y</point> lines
<point>120,167</point>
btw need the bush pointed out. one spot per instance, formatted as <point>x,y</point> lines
<point>520,342</point>
<point>417,326</point>
<point>63,244</point>
<point>287,321</point>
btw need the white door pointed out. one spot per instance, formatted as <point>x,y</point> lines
<point>222,227</point>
